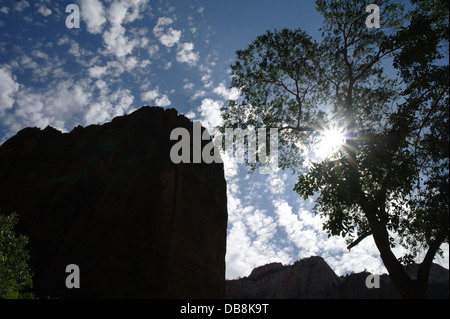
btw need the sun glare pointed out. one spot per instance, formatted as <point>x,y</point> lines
<point>330,142</point>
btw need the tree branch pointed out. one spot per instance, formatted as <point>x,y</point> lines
<point>297,128</point>
<point>377,58</point>
<point>424,269</point>
<point>359,239</point>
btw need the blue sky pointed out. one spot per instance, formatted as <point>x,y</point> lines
<point>175,54</point>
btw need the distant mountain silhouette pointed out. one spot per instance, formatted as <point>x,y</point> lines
<point>108,199</point>
<point>312,278</point>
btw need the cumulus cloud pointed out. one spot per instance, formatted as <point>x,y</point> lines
<point>117,12</point>
<point>117,43</point>
<point>188,86</point>
<point>21,5</point>
<point>93,14</point>
<point>170,38</point>
<point>150,95</point>
<point>58,106</point>
<point>276,183</point>
<point>289,221</point>
<point>163,101</point>
<point>262,225</point>
<point>74,49</point>
<point>190,115</point>
<point>250,233</point>
<point>166,35</point>
<point>229,94</point>
<point>97,71</point>
<point>44,11</point>
<point>8,90</point>
<point>210,112</point>
<point>110,106</point>
<point>153,50</point>
<point>186,54</point>
<point>156,97</point>
<point>198,94</point>
<point>135,7</point>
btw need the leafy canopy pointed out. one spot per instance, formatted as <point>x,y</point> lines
<point>387,89</point>
<point>15,274</point>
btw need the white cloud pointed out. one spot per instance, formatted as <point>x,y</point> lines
<point>167,36</point>
<point>188,86</point>
<point>170,38</point>
<point>232,94</point>
<point>130,63</point>
<point>125,11</point>
<point>152,50</point>
<point>168,65</point>
<point>190,115</point>
<point>198,94</point>
<point>109,106</point>
<point>4,10</point>
<point>304,238</point>
<point>117,12</point>
<point>150,95</point>
<point>154,95</point>
<point>74,46</point>
<point>163,101</point>
<point>97,71</point>
<point>44,11</point>
<point>8,90</point>
<point>75,49</point>
<point>230,167</point>
<point>41,65</point>
<point>60,105</point>
<point>115,68</point>
<point>124,102</point>
<point>116,40</point>
<point>117,43</point>
<point>163,21</point>
<point>21,5</point>
<point>249,239</point>
<point>185,54</point>
<point>102,86</point>
<point>365,256</point>
<point>262,225</point>
<point>210,112</point>
<point>135,8</point>
<point>93,14</point>
<point>40,54</point>
<point>206,77</point>
<point>277,185</point>
<point>98,112</point>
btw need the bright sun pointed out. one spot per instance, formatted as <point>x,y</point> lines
<point>330,142</point>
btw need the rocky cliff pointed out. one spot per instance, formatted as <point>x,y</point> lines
<point>309,278</point>
<point>312,278</point>
<point>108,199</point>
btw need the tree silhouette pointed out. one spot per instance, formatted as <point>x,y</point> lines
<point>15,274</point>
<point>390,179</point>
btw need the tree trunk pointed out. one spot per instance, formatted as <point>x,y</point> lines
<point>397,272</point>
<point>407,287</point>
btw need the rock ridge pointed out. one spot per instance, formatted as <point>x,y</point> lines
<point>312,278</point>
<point>108,198</point>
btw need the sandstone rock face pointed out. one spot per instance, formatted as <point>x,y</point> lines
<point>308,278</point>
<point>312,278</point>
<point>108,199</point>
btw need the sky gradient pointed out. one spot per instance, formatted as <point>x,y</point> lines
<point>173,54</point>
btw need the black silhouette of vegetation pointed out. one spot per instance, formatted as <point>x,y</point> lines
<point>15,274</point>
<point>387,88</point>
